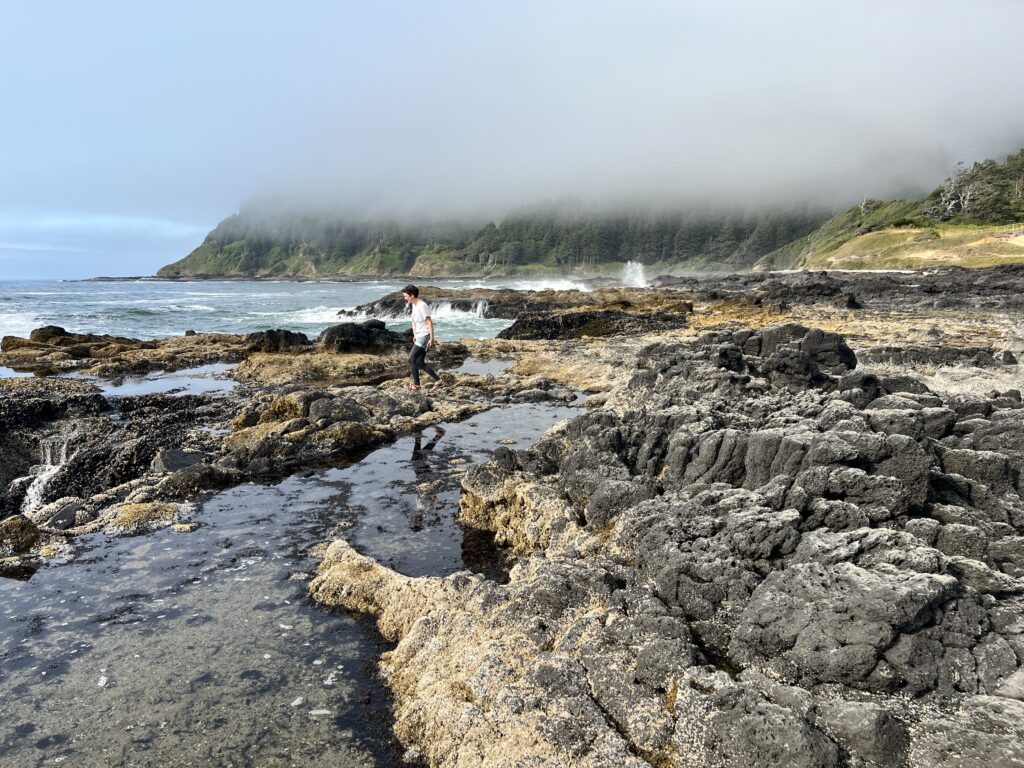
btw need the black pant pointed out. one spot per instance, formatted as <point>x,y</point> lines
<point>418,361</point>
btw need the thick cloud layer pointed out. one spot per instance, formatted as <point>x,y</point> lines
<point>178,112</point>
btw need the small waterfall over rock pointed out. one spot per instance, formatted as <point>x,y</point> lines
<point>480,308</point>
<point>53,455</point>
<point>633,275</point>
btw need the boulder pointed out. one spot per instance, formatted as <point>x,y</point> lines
<point>18,535</point>
<point>368,336</point>
<point>279,340</point>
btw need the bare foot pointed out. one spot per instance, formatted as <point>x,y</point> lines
<point>413,387</point>
<point>439,384</point>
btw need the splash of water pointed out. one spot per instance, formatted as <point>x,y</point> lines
<point>442,309</point>
<point>633,275</point>
<point>53,455</point>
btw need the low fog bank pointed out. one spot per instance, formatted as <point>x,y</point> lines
<point>467,111</point>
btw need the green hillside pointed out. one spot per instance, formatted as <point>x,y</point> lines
<point>975,218</point>
<point>255,244</point>
<point>969,219</point>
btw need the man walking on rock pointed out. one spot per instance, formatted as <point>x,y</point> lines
<point>422,337</point>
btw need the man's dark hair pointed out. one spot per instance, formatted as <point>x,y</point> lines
<point>412,290</point>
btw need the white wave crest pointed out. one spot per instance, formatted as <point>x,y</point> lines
<point>550,284</point>
<point>441,309</point>
<point>444,309</point>
<point>191,308</point>
<point>18,324</point>
<point>311,316</point>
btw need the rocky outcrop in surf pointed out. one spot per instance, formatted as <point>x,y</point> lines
<point>508,304</point>
<point>753,553</point>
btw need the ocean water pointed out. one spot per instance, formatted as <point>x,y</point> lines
<point>149,309</point>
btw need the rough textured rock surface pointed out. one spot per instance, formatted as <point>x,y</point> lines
<point>751,553</point>
<point>748,551</point>
<point>370,335</point>
<point>126,464</point>
<point>509,304</point>
<point>52,349</point>
<point>581,323</point>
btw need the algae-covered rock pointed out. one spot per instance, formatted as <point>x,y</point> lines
<point>131,519</point>
<point>18,535</point>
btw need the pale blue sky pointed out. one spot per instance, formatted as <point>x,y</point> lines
<point>129,129</point>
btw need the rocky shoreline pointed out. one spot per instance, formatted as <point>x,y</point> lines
<point>786,530</point>
<point>130,463</point>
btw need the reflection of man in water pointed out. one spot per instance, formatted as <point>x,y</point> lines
<point>426,498</point>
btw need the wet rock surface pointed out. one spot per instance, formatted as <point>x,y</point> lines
<point>52,349</point>
<point>787,529</point>
<point>752,553</point>
<point>577,324</point>
<point>78,459</point>
<point>368,335</point>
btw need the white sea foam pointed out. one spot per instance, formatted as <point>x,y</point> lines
<point>155,310</point>
<point>444,309</point>
<point>54,452</point>
<point>312,316</point>
<point>190,308</point>
<point>18,324</point>
<point>550,284</point>
<point>521,283</point>
<point>441,309</point>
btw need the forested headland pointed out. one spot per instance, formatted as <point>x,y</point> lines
<point>970,218</point>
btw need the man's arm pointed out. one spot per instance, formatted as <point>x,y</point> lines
<point>430,327</point>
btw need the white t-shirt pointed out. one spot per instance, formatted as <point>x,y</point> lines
<point>420,329</point>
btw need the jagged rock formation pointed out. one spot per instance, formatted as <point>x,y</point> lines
<point>370,335</point>
<point>74,460</point>
<point>53,349</point>
<point>997,288</point>
<point>752,554</point>
<point>577,324</point>
<point>508,304</point>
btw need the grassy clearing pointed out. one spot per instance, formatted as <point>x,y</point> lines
<point>966,245</point>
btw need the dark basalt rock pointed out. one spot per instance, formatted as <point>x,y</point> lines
<point>791,355</point>
<point>54,335</point>
<point>31,402</point>
<point>18,535</point>
<point>508,304</point>
<point>938,355</point>
<point>279,340</point>
<point>26,406</point>
<point>194,479</point>
<point>829,541</point>
<point>103,452</point>
<point>576,325</point>
<point>172,460</point>
<point>1000,287</point>
<point>369,336</point>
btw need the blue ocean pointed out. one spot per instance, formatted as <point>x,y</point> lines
<point>149,309</point>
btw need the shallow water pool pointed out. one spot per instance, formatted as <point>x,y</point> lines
<point>202,648</point>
